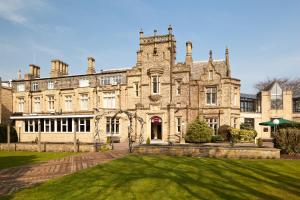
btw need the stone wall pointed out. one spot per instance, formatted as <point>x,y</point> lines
<point>202,151</point>
<point>48,147</point>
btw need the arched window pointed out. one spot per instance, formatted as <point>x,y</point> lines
<point>276,96</point>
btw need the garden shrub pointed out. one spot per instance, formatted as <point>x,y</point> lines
<point>3,134</point>
<point>148,141</point>
<point>234,136</point>
<point>217,138</point>
<point>247,135</point>
<point>288,139</point>
<point>198,132</point>
<point>224,132</point>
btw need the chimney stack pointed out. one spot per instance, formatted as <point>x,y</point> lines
<point>188,56</point>
<point>58,68</point>
<point>34,72</point>
<point>91,66</point>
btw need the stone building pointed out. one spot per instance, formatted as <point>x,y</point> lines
<point>273,102</point>
<point>165,93</point>
<point>5,102</point>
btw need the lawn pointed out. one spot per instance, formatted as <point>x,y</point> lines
<point>17,158</point>
<point>163,177</point>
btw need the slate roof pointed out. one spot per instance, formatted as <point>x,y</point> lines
<point>248,96</point>
<point>199,66</point>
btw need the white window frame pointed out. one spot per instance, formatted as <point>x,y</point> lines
<point>21,102</point>
<point>109,100</point>
<point>68,103</point>
<point>209,91</point>
<point>50,85</point>
<point>35,86</point>
<point>82,122</point>
<point>84,102</point>
<point>178,125</point>
<point>51,103</point>
<point>213,123</point>
<point>155,81</point>
<point>36,104</point>
<point>20,87</point>
<point>113,125</point>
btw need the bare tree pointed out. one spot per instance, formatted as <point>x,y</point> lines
<point>285,83</point>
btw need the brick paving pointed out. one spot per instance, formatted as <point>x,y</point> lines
<point>13,179</point>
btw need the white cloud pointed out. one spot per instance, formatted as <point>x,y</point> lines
<point>17,11</point>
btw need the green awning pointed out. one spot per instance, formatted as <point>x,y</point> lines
<point>281,122</point>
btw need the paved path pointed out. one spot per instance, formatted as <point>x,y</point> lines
<point>15,178</point>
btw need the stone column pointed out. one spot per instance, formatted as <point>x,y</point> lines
<point>39,141</point>
<point>172,122</point>
<point>8,137</point>
<point>74,136</point>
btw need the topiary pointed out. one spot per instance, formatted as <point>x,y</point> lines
<point>224,132</point>
<point>198,132</point>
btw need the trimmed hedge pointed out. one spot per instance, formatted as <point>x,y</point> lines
<point>3,134</point>
<point>198,132</point>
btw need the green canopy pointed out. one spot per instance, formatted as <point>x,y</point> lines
<point>281,122</point>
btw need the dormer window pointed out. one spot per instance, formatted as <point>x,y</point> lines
<point>276,96</point>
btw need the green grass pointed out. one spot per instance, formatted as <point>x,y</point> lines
<point>17,158</point>
<point>163,177</point>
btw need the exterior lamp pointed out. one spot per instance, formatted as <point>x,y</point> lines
<point>276,122</point>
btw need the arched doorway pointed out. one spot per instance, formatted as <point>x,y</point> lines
<point>156,128</point>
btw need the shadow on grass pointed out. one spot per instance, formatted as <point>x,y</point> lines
<point>163,177</point>
<point>14,161</point>
<point>12,168</point>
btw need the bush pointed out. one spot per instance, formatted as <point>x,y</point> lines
<point>260,142</point>
<point>224,132</point>
<point>247,135</point>
<point>234,136</point>
<point>148,141</point>
<point>108,140</point>
<point>3,134</point>
<point>198,132</point>
<point>288,139</point>
<point>217,138</point>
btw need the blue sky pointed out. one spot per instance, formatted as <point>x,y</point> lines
<point>263,36</point>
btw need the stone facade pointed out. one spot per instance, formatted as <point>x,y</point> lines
<point>5,102</point>
<point>261,108</point>
<point>166,94</point>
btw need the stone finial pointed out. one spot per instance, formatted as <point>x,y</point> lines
<point>19,75</point>
<point>141,33</point>
<point>210,55</point>
<point>227,56</point>
<point>170,30</point>
<point>188,56</point>
<point>189,47</point>
<point>227,62</point>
